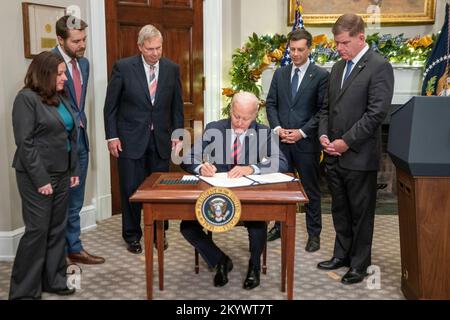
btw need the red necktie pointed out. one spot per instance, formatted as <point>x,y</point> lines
<point>236,150</point>
<point>76,81</point>
<point>77,84</point>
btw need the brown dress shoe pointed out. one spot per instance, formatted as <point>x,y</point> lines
<point>85,258</point>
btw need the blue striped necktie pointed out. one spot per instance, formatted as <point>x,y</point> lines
<point>349,69</point>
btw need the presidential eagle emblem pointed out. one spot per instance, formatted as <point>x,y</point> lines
<point>218,209</point>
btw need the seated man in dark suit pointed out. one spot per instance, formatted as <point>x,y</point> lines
<point>239,146</point>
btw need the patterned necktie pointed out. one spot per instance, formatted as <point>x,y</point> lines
<point>294,83</point>
<point>349,69</point>
<point>237,146</point>
<point>76,81</point>
<point>152,83</point>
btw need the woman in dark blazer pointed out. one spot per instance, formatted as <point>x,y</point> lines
<point>45,133</point>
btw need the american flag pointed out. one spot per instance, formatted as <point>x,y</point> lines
<point>298,24</point>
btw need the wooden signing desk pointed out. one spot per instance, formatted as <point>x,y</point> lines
<point>272,202</point>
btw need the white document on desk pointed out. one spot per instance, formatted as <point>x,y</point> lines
<point>221,180</point>
<point>271,178</point>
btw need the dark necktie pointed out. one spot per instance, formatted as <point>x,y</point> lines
<point>76,81</point>
<point>294,83</point>
<point>349,69</point>
<point>237,146</point>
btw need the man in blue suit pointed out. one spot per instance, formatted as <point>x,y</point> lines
<point>143,106</point>
<point>256,151</point>
<point>295,98</point>
<point>71,33</point>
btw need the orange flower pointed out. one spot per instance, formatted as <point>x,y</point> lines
<point>320,39</point>
<point>228,92</point>
<point>277,54</point>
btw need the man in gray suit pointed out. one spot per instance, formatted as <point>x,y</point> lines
<point>295,98</point>
<point>359,96</point>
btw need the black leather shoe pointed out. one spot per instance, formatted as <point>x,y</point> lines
<point>252,279</point>
<point>313,244</point>
<point>64,292</point>
<point>223,267</point>
<point>134,247</point>
<point>334,263</point>
<point>273,234</point>
<point>353,276</point>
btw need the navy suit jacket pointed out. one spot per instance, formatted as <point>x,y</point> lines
<point>79,111</point>
<point>129,113</point>
<point>355,112</point>
<point>260,149</point>
<point>302,112</point>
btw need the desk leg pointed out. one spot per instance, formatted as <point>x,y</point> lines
<point>160,248</point>
<point>148,239</point>
<point>283,256</point>
<point>290,249</point>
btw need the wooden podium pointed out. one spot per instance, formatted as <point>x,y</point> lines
<point>424,218</point>
<point>419,145</point>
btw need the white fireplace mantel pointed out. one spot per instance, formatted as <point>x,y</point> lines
<point>408,81</point>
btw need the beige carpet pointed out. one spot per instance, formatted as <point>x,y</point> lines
<point>123,274</point>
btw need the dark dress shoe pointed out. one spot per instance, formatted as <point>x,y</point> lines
<point>334,263</point>
<point>313,244</point>
<point>252,279</point>
<point>224,266</point>
<point>134,247</point>
<point>84,257</point>
<point>353,276</point>
<point>63,292</point>
<point>273,234</point>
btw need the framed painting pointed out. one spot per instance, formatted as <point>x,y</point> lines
<point>386,12</point>
<point>39,27</point>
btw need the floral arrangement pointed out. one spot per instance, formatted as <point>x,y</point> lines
<point>260,51</point>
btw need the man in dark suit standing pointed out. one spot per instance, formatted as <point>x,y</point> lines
<point>71,34</point>
<point>359,96</point>
<point>143,106</point>
<point>253,150</point>
<point>295,98</point>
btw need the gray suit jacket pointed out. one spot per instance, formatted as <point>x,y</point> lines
<point>269,158</point>
<point>41,138</point>
<point>355,112</point>
<point>302,112</point>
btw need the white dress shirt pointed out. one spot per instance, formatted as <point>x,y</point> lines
<point>68,61</point>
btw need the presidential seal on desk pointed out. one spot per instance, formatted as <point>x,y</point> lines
<point>218,209</point>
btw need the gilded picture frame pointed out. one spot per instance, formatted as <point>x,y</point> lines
<point>39,27</point>
<point>386,12</point>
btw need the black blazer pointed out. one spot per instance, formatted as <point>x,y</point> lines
<point>302,112</point>
<point>129,112</point>
<point>41,138</point>
<point>259,137</point>
<point>355,112</point>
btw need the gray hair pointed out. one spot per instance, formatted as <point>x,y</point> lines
<point>148,32</point>
<point>245,98</point>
